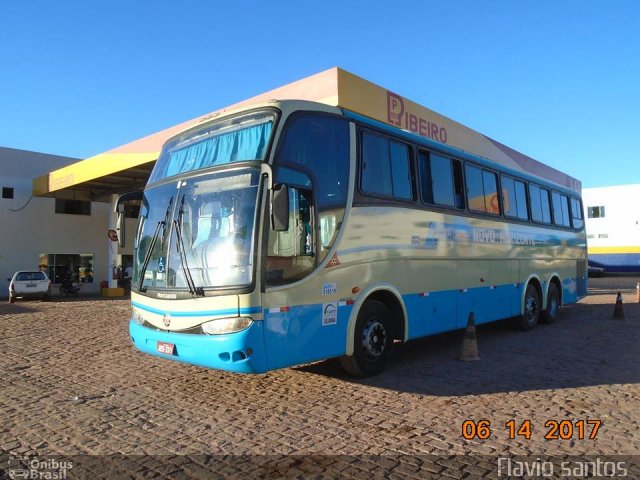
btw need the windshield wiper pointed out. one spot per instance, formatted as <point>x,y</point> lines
<point>147,257</point>
<point>197,291</point>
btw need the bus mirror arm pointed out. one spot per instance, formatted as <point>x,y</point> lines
<point>120,223</point>
<point>267,173</point>
<point>279,208</point>
<point>119,210</point>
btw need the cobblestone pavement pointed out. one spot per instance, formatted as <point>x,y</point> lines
<point>72,384</point>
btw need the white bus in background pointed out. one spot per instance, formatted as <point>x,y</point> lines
<point>613,227</point>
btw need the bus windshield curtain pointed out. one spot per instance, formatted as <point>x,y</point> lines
<point>235,146</point>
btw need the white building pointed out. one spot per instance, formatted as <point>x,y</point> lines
<point>55,234</point>
<point>613,227</point>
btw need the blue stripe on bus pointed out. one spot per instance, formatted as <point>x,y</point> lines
<point>226,311</point>
<point>304,334</point>
<point>298,336</point>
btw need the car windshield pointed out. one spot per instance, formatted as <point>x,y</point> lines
<point>197,231</point>
<point>30,276</point>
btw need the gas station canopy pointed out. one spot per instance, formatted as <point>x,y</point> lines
<point>127,168</point>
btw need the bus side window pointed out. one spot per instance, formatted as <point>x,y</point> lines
<point>318,146</point>
<point>560,204</point>
<point>482,189</point>
<point>576,213</point>
<point>540,206</point>
<point>441,184</point>
<point>514,198</point>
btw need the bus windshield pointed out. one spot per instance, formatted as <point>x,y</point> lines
<point>197,233</point>
<point>237,139</point>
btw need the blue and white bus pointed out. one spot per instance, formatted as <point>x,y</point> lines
<point>292,231</point>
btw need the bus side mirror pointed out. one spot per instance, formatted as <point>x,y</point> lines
<point>280,208</point>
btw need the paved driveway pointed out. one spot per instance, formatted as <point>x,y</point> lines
<point>71,384</point>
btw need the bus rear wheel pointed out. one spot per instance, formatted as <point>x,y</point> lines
<point>550,313</point>
<point>373,341</point>
<point>531,315</point>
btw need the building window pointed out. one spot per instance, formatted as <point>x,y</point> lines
<point>132,210</point>
<point>595,212</point>
<point>73,207</point>
<point>7,192</point>
<point>59,266</point>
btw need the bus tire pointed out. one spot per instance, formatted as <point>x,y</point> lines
<point>531,314</point>
<point>550,313</point>
<point>373,341</point>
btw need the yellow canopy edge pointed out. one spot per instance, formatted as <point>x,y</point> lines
<point>335,87</point>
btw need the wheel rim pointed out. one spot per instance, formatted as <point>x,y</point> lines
<point>374,339</point>
<point>531,308</point>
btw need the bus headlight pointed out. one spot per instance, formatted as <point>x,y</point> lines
<point>226,325</point>
<point>136,316</point>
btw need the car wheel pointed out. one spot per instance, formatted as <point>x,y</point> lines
<point>373,341</point>
<point>550,313</point>
<point>531,315</point>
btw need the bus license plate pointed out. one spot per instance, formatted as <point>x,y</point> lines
<point>166,348</point>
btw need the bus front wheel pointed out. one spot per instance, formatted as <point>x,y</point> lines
<point>373,341</point>
<point>531,314</point>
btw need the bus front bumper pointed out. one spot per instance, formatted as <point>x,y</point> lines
<point>241,352</point>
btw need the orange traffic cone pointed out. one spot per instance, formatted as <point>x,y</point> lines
<point>618,311</point>
<point>469,344</point>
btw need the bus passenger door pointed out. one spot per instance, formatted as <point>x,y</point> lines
<point>289,338</point>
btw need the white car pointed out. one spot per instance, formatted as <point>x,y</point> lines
<point>29,284</point>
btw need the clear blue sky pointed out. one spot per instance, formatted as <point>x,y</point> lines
<point>556,80</point>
